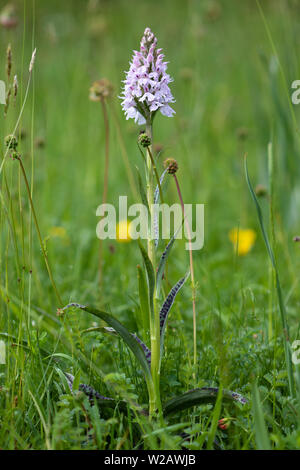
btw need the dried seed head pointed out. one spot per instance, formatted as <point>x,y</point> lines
<point>8,60</point>
<point>261,190</point>
<point>11,142</point>
<point>242,133</point>
<point>144,140</point>
<point>171,165</point>
<point>15,86</point>
<point>101,89</point>
<point>32,61</point>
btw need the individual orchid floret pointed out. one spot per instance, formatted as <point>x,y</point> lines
<point>146,88</point>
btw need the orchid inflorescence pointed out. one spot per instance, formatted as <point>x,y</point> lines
<point>146,87</point>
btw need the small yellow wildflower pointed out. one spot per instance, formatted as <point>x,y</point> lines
<point>123,231</point>
<point>242,240</point>
<point>59,232</point>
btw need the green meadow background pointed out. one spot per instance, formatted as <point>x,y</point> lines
<point>233,63</point>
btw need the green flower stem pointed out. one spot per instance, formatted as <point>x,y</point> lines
<point>191,270</point>
<point>154,401</point>
<point>39,233</point>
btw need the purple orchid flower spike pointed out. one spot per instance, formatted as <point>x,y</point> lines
<point>146,87</point>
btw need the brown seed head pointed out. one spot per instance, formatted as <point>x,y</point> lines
<point>171,165</point>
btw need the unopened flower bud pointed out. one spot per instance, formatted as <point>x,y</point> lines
<point>11,142</point>
<point>242,133</point>
<point>144,140</point>
<point>171,165</point>
<point>224,423</point>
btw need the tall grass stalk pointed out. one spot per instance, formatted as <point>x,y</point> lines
<point>272,236</point>
<point>105,182</point>
<point>191,270</point>
<point>38,231</point>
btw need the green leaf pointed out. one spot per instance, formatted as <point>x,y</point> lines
<point>142,190</point>
<point>215,420</point>
<point>200,396</point>
<point>150,274</point>
<point>162,262</point>
<point>164,312</point>
<point>122,331</point>
<point>144,300</point>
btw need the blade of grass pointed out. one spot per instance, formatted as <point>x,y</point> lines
<point>283,314</point>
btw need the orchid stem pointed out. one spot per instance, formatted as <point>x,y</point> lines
<point>154,402</point>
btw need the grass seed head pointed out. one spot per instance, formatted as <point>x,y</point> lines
<point>171,165</point>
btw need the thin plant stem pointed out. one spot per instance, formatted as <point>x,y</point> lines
<point>272,238</point>
<point>38,232</point>
<point>191,269</point>
<point>105,183</point>
<point>106,125</point>
<point>17,123</point>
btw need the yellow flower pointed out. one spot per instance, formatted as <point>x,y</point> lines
<point>123,231</point>
<point>242,240</point>
<point>59,232</point>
